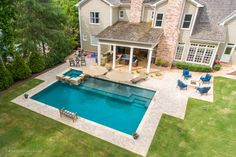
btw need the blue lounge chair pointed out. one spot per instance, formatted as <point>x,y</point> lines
<point>186,74</point>
<point>206,79</point>
<point>203,90</point>
<point>181,85</point>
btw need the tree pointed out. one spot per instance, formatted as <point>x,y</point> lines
<point>71,12</point>
<point>19,69</point>
<point>36,62</point>
<point>39,24</point>
<point>5,76</point>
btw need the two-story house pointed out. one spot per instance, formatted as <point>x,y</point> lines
<point>195,31</point>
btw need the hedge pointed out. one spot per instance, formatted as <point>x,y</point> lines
<point>36,62</point>
<point>19,69</point>
<point>193,67</point>
<point>217,67</point>
<point>5,77</point>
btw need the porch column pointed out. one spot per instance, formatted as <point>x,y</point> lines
<point>99,54</point>
<point>131,58</point>
<point>114,57</point>
<point>149,60</point>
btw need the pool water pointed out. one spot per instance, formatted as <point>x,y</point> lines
<point>114,105</point>
<point>73,73</point>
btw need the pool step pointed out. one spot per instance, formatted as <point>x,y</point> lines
<point>139,101</point>
<point>105,93</point>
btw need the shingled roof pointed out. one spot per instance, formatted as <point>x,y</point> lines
<point>115,2</point>
<point>129,32</point>
<point>207,26</point>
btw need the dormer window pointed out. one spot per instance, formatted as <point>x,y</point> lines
<point>94,18</point>
<point>121,14</point>
<point>159,20</point>
<point>187,21</point>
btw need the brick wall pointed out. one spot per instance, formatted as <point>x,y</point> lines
<point>136,11</point>
<point>167,46</point>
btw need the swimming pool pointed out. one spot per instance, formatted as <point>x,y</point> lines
<point>73,73</point>
<point>114,105</point>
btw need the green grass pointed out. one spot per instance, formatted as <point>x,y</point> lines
<point>25,133</point>
<point>209,129</point>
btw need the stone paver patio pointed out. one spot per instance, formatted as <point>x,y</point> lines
<point>168,100</point>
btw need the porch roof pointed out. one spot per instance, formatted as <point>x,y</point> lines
<point>141,33</point>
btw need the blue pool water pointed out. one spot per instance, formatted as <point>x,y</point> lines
<point>73,73</point>
<point>114,105</point>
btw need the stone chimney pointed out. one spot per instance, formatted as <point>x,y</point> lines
<point>168,43</point>
<point>136,7</point>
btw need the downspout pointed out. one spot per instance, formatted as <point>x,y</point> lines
<point>80,27</point>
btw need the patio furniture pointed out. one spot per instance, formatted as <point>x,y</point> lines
<point>141,77</point>
<point>82,61</point>
<point>181,85</point>
<point>68,114</point>
<point>194,83</point>
<point>186,74</point>
<point>77,62</point>
<point>124,59</point>
<point>206,78</point>
<point>203,90</point>
<point>71,62</point>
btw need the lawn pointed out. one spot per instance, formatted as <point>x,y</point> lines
<point>209,129</point>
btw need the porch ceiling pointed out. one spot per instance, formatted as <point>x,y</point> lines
<point>141,33</point>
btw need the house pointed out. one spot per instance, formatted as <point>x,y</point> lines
<point>195,31</point>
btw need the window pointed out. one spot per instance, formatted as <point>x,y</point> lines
<point>84,37</point>
<point>187,21</point>
<point>200,53</point>
<point>159,20</point>
<point>93,40</point>
<point>229,49</point>
<point>94,18</point>
<point>179,51</point>
<point>121,14</point>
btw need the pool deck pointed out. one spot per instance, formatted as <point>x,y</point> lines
<point>167,100</point>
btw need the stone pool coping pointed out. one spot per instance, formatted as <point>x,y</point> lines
<point>146,128</point>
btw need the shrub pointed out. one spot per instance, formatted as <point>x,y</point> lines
<point>217,67</point>
<point>162,63</point>
<point>193,67</point>
<point>36,62</point>
<point>19,69</point>
<point>5,77</point>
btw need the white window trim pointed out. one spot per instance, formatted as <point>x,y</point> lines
<point>120,14</point>
<point>85,37</point>
<point>91,41</point>
<point>208,64</point>
<point>231,45</point>
<point>184,44</point>
<point>190,22</point>
<point>156,20</point>
<point>90,18</point>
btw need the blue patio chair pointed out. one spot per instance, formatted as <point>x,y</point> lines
<point>181,85</point>
<point>203,90</point>
<point>206,79</point>
<point>186,74</point>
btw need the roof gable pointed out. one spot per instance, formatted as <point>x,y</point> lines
<point>229,18</point>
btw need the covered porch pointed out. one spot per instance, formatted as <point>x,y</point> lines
<point>128,46</point>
